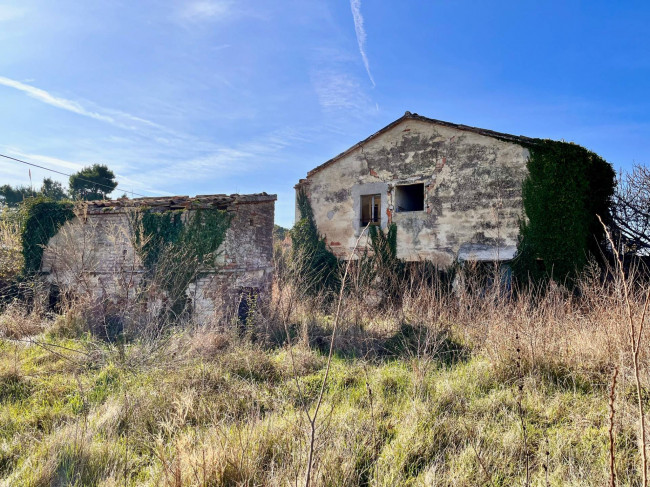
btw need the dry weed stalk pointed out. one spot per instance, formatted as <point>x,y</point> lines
<point>547,453</point>
<point>612,466</point>
<point>314,417</point>
<point>375,444</point>
<point>520,410</point>
<point>479,458</point>
<point>635,335</point>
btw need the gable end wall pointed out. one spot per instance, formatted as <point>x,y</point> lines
<point>472,192</point>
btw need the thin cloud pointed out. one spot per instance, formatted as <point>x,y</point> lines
<point>55,101</point>
<point>355,5</point>
<point>214,160</point>
<point>114,117</point>
<point>205,10</point>
<point>48,161</point>
<point>339,91</point>
<point>9,12</point>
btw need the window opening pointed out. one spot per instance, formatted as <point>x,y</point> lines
<point>370,209</point>
<point>409,197</point>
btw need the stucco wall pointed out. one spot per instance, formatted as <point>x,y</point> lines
<point>472,191</point>
<point>93,254</point>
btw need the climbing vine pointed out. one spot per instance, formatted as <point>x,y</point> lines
<point>566,188</point>
<point>41,219</point>
<point>176,246</point>
<point>156,231</point>
<point>315,264</point>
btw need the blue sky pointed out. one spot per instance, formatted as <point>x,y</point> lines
<point>216,96</point>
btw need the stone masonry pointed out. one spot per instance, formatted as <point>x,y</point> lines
<point>453,191</point>
<point>94,253</point>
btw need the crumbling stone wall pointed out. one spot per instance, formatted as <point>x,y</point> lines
<point>245,261</point>
<point>472,190</point>
<point>94,252</point>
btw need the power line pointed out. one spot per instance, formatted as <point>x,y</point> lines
<point>65,174</point>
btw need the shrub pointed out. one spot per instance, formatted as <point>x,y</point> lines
<point>17,322</point>
<point>11,256</point>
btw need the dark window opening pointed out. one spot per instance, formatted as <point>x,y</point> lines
<point>370,209</point>
<point>409,197</point>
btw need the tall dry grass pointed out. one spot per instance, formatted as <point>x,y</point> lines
<point>450,383</point>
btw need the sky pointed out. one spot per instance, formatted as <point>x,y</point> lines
<point>191,97</point>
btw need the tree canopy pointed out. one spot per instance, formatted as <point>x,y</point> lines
<point>92,183</point>
<point>13,196</point>
<point>631,210</point>
<point>53,190</point>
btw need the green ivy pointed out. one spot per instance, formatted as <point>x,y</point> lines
<point>392,271</point>
<point>566,188</point>
<point>42,218</point>
<point>316,265</point>
<point>176,246</point>
<point>384,245</point>
<point>159,229</point>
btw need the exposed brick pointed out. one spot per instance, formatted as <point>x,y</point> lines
<point>95,251</point>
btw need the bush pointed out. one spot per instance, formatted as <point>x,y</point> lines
<point>11,256</point>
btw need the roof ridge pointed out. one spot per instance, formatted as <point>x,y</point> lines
<point>414,116</point>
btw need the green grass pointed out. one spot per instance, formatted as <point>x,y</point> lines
<point>233,417</point>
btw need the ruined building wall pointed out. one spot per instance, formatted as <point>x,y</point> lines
<point>472,191</point>
<point>94,254</point>
<point>245,261</point>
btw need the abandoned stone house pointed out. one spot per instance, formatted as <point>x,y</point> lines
<point>94,252</point>
<point>453,191</point>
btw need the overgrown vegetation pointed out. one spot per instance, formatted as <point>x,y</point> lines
<point>384,268</point>
<point>464,388</point>
<point>176,246</point>
<point>434,390</point>
<point>279,233</point>
<point>41,219</point>
<point>567,187</point>
<point>11,251</point>
<point>317,265</point>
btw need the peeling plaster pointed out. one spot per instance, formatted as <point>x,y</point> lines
<point>472,189</point>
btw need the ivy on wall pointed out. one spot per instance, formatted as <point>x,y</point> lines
<point>566,188</point>
<point>157,230</point>
<point>176,246</point>
<point>316,265</point>
<point>42,218</point>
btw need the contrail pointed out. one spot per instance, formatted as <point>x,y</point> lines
<point>355,5</point>
<point>114,117</point>
<point>55,101</point>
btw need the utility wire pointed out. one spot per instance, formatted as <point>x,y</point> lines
<point>65,174</point>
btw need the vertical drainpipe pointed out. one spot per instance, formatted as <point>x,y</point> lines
<point>389,199</point>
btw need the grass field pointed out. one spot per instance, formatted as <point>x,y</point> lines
<point>434,391</point>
